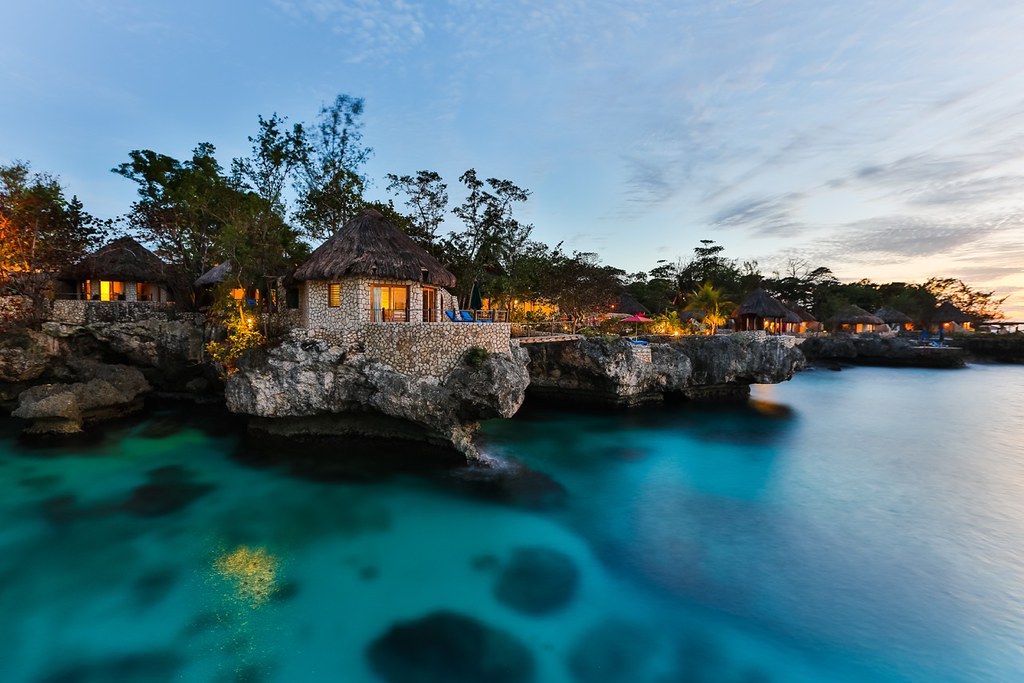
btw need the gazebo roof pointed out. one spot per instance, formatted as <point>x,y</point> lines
<point>761,304</point>
<point>948,313</point>
<point>370,245</point>
<point>855,315</point>
<point>805,315</point>
<point>891,315</point>
<point>122,259</point>
<point>215,275</point>
<point>627,303</point>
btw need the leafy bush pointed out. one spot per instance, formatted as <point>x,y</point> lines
<point>475,356</point>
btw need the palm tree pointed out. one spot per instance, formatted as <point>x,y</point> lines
<point>709,299</point>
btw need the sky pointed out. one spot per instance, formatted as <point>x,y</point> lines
<point>882,139</point>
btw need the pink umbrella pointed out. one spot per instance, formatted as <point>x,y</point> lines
<point>638,318</point>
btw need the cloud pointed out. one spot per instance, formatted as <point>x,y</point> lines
<point>893,239</point>
<point>774,216</point>
<point>374,30</point>
<point>972,191</point>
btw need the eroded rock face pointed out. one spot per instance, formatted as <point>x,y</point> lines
<point>26,355</point>
<point>305,378</point>
<point>872,349</point>
<point>612,370</point>
<point>102,392</point>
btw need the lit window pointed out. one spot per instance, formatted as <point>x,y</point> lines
<point>334,295</point>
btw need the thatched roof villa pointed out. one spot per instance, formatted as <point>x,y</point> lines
<point>896,320</point>
<point>807,322</point>
<point>122,270</point>
<point>760,311</point>
<point>853,318</point>
<point>951,319</point>
<point>371,285</point>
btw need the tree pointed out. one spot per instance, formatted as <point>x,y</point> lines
<point>331,184</point>
<point>276,154</point>
<point>41,231</point>
<point>708,299</point>
<point>182,208</point>
<point>492,238</point>
<point>427,200</point>
<point>976,303</point>
<point>708,265</point>
<point>580,286</point>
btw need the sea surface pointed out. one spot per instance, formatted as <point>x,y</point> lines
<point>863,525</point>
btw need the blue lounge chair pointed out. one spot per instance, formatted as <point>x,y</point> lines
<point>452,317</point>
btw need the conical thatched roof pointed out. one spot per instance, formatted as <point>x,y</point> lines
<point>805,315</point>
<point>215,275</point>
<point>892,316</point>
<point>124,259</point>
<point>793,318</point>
<point>948,313</point>
<point>855,315</point>
<point>761,304</point>
<point>627,303</point>
<point>370,245</point>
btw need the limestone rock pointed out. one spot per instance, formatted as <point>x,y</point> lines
<point>872,349</point>
<point>106,391</point>
<point>613,370</point>
<point>25,356</point>
<point>302,378</point>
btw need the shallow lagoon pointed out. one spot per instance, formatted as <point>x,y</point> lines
<point>866,525</point>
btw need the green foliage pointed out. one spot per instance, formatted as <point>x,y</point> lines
<point>241,332</point>
<point>40,228</point>
<point>475,356</point>
<point>976,303</point>
<point>426,198</point>
<point>331,182</point>
<point>579,285</point>
<point>709,299</point>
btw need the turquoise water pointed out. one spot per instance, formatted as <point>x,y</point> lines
<point>865,525</point>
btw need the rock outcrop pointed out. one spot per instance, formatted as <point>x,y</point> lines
<point>616,371</point>
<point>307,386</point>
<point>872,349</point>
<point>101,392</point>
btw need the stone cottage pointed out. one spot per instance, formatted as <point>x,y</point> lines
<point>370,284</point>
<point>123,270</point>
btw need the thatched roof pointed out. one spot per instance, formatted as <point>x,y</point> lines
<point>892,316</point>
<point>855,315</point>
<point>793,318</point>
<point>215,275</point>
<point>627,303</point>
<point>948,313</point>
<point>370,245</point>
<point>805,315</point>
<point>761,304</point>
<point>124,259</point>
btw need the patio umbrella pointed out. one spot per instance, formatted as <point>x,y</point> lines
<point>638,318</point>
<point>476,301</point>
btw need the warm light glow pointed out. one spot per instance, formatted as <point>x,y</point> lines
<point>252,573</point>
<point>238,294</point>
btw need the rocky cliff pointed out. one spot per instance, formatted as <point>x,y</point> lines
<point>309,387</point>
<point>64,376</point>
<point>871,349</point>
<point>613,370</point>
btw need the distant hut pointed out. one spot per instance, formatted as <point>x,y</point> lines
<point>808,323</point>
<point>760,311</point>
<point>214,276</point>
<point>122,270</point>
<point>792,323</point>
<point>896,320</point>
<point>370,271</point>
<point>855,319</point>
<point>627,304</point>
<point>948,318</point>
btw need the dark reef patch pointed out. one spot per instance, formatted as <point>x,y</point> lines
<point>447,647</point>
<point>151,667</point>
<point>611,652</point>
<point>537,581</point>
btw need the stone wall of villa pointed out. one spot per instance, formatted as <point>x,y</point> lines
<point>431,349</point>
<point>356,302</point>
<point>82,312</point>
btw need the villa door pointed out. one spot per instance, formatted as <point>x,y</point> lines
<point>429,305</point>
<point>389,304</point>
